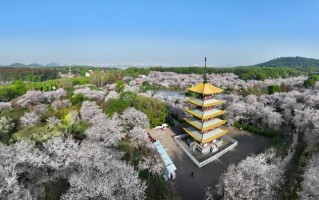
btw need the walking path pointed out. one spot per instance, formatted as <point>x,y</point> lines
<point>291,151</point>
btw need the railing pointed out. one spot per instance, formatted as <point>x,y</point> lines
<point>185,150</point>
<point>205,162</point>
<point>235,143</point>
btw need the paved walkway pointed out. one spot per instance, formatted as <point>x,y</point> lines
<point>189,187</point>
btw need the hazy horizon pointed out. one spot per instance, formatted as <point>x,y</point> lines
<point>165,33</point>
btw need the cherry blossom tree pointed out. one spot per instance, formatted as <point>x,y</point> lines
<point>89,110</point>
<point>92,94</point>
<point>310,183</point>
<point>5,105</point>
<point>132,117</point>
<point>92,170</point>
<point>208,193</point>
<point>30,98</point>
<point>154,164</point>
<point>225,80</point>
<point>53,121</point>
<point>29,119</point>
<point>6,126</point>
<point>40,109</point>
<point>138,136</point>
<point>56,94</point>
<point>256,177</point>
<point>57,104</point>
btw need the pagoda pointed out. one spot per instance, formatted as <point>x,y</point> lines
<point>203,123</point>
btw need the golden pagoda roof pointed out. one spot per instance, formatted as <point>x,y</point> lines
<point>205,88</point>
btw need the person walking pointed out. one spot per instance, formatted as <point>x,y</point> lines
<point>192,174</point>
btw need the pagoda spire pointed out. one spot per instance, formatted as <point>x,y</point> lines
<point>205,73</point>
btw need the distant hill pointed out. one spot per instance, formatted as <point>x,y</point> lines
<point>16,65</point>
<point>34,65</point>
<point>294,62</point>
<point>53,64</point>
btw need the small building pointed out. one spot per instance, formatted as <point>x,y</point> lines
<point>89,73</point>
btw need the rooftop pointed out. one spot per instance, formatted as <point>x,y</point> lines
<point>205,88</point>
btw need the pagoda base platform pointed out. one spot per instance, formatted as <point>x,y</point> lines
<point>202,156</point>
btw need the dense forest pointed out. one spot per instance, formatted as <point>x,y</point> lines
<point>297,62</point>
<point>27,74</point>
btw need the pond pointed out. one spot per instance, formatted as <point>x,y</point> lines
<point>169,93</point>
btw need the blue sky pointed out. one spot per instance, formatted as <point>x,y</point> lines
<point>162,32</point>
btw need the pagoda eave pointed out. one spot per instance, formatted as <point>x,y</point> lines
<point>197,102</point>
<point>201,115</point>
<point>206,137</point>
<point>202,126</point>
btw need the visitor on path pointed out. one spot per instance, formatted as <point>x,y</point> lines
<point>192,174</point>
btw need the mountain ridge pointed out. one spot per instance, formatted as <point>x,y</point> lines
<point>291,62</point>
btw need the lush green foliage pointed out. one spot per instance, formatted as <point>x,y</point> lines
<point>8,92</point>
<point>274,88</point>
<point>136,71</point>
<point>259,90</point>
<point>255,129</point>
<point>119,86</point>
<point>77,129</point>
<point>17,88</point>
<point>291,62</point>
<point>312,80</point>
<point>37,133</point>
<point>155,110</point>
<point>27,74</point>
<point>78,98</point>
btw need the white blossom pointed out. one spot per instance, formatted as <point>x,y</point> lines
<point>132,117</point>
<point>53,121</point>
<point>6,125</point>
<point>29,119</point>
<point>256,177</point>
<point>5,105</point>
<point>92,94</point>
<point>310,183</point>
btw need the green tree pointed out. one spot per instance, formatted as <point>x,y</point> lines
<point>119,86</point>
<point>19,88</point>
<point>274,88</point>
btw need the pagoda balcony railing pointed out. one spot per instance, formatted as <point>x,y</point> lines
<point>205,125</point>
<point>207,114</point>
<point>205,137</point>
<point>205,102</point>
